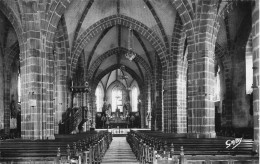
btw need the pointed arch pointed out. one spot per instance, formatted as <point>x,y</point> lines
<point>113,20</point>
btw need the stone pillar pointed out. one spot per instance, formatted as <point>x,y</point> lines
<point>255,35</point>
<point>201,112</point>
<point>37,69</point>
<point>88,112</point>
<point>2,108</point>
<point>153,106</point>
<point>175,99</point>
<point>91,111</point>
<point>143,109</point>
<point>94,109</point>
<point>159,105</point>
<point>147,102</point>
<point>7,96</point>
<point>60,89</point>
<point>159,96</point>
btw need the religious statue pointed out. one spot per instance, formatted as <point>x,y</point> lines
<point>125,111</point>
<point>109,111</point>
<point>148,118</point>
<point>139,106</point>
<point>117,112</point>
<point>105,107</point>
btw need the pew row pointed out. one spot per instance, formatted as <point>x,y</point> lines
<point>65,148</point>
<point>88,151</point>
<point>153,147</point>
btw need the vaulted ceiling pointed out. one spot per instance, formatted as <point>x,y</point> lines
<point>105,52</point>
<point>110,45</point>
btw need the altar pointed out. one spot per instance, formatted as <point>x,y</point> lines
<point>115,122</point>
<point>120,130</point>
<point>121,124</point>
<point>118,119</point>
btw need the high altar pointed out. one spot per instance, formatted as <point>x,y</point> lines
<point>118,119</point>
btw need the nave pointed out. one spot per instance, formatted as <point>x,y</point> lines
<point>119,152</point>
<point>186,70</point>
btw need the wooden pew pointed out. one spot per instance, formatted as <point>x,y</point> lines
<point>151,147</point>
<point>90,150</point>
<point>25,150</point>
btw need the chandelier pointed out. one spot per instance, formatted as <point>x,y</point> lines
<point>123,76</point>
<point>130,55</point>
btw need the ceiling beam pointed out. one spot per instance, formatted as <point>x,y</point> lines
<point>144,48</point>
<point>159,23</point>
<point>118,56</point>
<point>139,68</point>
<point>81,20</point>
<point>95,46</point>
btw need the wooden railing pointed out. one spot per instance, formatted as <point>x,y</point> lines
<point>152,147</point>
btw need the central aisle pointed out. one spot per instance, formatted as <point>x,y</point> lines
<point>119,152</point>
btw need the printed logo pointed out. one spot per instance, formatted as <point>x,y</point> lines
<point>233,143</point>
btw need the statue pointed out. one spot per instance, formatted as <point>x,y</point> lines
<point>148,118</point>
<point>109,111</point>
<point>105,106</point>
<point>125,111</point>
<point>117,112</point>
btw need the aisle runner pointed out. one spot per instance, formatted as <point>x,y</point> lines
<point>119,152</point>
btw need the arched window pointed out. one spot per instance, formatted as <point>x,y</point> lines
<point>217,85</point>
<point>249,72</point>
<point>117,99</point>
<point>99,99</point>
<point>134,99</point>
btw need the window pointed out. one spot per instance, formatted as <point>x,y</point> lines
<point>99,99</point>
<point>117,99</point>
<point>134,99</point>
<point>249,73</point>
<point>217,86</point>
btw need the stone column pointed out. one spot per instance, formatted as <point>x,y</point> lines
<point>153,105</point>
<point>201,112</point>
<point>7,85</point>
<point>255,35</point>
<point>60,88</point>
<point>89,111</point>
<point>2,87</point>
<point>159,96</point>
<point>147,102</point>
<point>94,109</point>
<point>37,73</point>
<point>175,99</point>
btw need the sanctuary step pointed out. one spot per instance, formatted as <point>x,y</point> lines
<point>119,152</point>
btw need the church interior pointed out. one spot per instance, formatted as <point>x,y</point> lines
<point>161,76</point>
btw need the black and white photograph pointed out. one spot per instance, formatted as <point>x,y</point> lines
<point>129,81</point>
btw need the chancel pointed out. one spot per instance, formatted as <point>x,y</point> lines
<point>129,81</point>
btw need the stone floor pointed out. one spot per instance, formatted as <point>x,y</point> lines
<point>119,152</point>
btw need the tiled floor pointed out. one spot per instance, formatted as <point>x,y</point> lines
<point>119,152</point>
